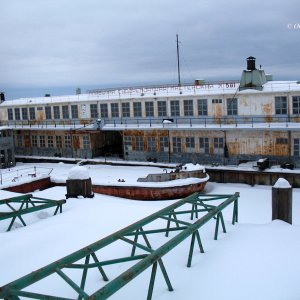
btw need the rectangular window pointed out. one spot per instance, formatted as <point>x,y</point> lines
<point>281,141</point>
<point>202,107</point>
<point>94,110</point>
<point>163,144</point>
<point>126,110</point>
<point>114,110</point>
<point>176,145</point>
<point>127,143</point>
<point>149,107</point>
<point>103,110</point>
<point>151,144</point>
<point>296,105</point>
<point>39,108</point>
<point>56,112</point>
<point>48,112</point>
<point>50,141</point>
<point>188,107</point>
<point>17,113</point>
<point>280,105</point>
<point>137,109</point>
<point>218,145</point>
<point>190,144</point>
<point>204,145</point>
<point>34,142</point>
<point>162,108</point>
<point>86,142</point>
<point>65,112</point>
<point>296,147</point>
<point>68,143</point>
<point>139,143</point>
<point>31,113</point>
<point>175,109</point>
<point>19,141</point>
<point>216,101</point>
<point>42,141</point>
<point>24,113</point>
<point>58,141</point>
<point>10,115</point>
<point>232,107</point>
<point>74,111</point>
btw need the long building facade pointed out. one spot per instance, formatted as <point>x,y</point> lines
<point>209,123</point>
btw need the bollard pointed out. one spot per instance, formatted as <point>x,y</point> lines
<point>282,201</point>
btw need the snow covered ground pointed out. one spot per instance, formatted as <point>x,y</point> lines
<point>255,259</point>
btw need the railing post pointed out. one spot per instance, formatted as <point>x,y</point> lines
<point>282,201</point>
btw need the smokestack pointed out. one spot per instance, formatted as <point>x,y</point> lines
<point>2,97</point>
<point>251,63</point>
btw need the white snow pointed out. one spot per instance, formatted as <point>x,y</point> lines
<point>256,259</point>
<point>79,172</point>
<point>193,167</point>
<point>282,183</point>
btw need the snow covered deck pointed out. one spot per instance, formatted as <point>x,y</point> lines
<point>256,259</point>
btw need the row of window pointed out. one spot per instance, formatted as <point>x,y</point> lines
<point>50,113</point>
<point>56,112</point>
<point>66,112</point>
<point>218,145</point>
<point>137,143</point>
<point>50,141</point>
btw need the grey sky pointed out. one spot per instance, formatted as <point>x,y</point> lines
<point>58,43</point>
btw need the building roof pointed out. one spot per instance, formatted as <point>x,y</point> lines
<point>206,89</point>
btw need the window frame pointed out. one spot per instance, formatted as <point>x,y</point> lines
<point>202,107</point>
<point>188,107</point>
<point>281,105</point>
<point>174,108</point>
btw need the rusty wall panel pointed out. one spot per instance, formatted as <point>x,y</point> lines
<point>76,142</point>
<point>27,141</point>
<point>260,142</point>
<point>217,110</point>
<point>40,115</point>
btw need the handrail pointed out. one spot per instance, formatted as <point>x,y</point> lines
<point>14,175</point>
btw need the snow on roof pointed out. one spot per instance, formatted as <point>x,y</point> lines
<point>282,183</point>
<point>221,88</point>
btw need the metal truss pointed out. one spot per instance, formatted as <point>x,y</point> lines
<point>26,204</point>
<point>183,218</point>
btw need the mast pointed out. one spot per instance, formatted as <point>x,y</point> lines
<point>178,64</point>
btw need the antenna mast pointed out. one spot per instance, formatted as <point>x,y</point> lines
<point>178,64</point>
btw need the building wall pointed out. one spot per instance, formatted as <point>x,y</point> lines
<point>229,147</point>
<point>82,144</point>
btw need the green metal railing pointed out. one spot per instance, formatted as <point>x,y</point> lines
<point>25,204</point>
<point>180,218</point>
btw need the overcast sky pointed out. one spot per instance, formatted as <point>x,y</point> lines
<point>55,45</point>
